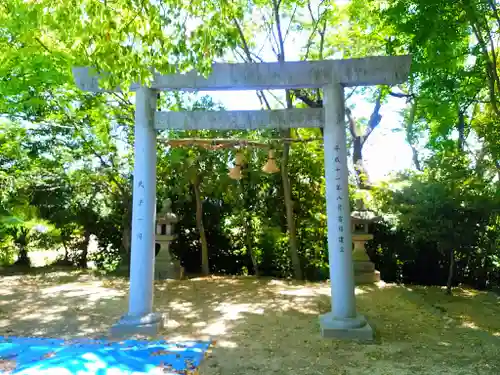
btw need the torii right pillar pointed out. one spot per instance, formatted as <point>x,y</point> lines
<point>342,321</point>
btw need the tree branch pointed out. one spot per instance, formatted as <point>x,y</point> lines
<point>351,122</point>
<point>276,98</point>
<point>375,118</point>
<point>495,11</point>
<point>260,94</point>
<point>43,45</point>
<point>401,95</point>
<point>410,139</point>
<point>243,39</point>
<point>321,47</point>
<point>309,8</point>
<point>269,25</point>
<point>238,54</point>
<point>490,69</point>
<point>277,19</point>
<point>348,96</point>
<point>125,102</point>
<point>314,29</point>
<point>291,20</point>
<point>302,96</point>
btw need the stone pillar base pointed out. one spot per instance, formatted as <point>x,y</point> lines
<point>356,329</point>
<point>147,325</point>
<point>365,273</point>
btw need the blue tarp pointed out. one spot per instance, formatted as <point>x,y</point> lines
<point>47,356</point>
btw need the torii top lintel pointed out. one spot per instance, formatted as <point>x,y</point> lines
<point>368,71</point>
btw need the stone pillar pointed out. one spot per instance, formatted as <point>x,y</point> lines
<point>342,321</point>
<point>140,317</point>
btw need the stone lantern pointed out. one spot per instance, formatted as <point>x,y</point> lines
<point>364,269</point>
<point>166,267</point>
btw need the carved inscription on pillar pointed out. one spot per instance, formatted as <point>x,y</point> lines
<point>339,191</point>
<point>140,192</point>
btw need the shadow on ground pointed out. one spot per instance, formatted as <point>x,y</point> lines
<point>271,327</point>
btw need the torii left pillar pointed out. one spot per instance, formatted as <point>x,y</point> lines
<point>140,318</point>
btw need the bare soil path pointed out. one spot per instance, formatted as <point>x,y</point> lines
<point>269,326</point>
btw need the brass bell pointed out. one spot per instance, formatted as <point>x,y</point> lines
<point>270,166</point>
<point>235,172</point>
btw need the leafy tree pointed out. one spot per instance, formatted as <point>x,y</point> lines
<point>448,205</point>
<point>194,171</point>
<point>126,38</point>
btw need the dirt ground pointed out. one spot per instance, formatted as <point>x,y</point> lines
<point>271,327</point>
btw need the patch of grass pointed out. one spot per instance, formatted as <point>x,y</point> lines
<point>268,326</point>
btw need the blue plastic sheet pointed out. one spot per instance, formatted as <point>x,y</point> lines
<point>47,356</point>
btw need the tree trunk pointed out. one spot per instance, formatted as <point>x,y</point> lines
<point>126,241</point>
<point>416,160</point>
<point>287,191</point>
<point>84,247</point>
<point>22,243</point>
<point>497,165</point>
<point>126,231</point>
<point>247,224</point>
<point>450,272</point>
<point>290,219</point>
<point>23,259</point>
<point>205,268</point>
<point>461,131</point>
<point>410,135</point>
<point>357,160</point>
<point>360,139</point>
<point>287,194</point>
<point>66,251</point>
<point>249,245</point>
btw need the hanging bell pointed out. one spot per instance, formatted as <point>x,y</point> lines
<point>270,166</point>
<point>235,172</point>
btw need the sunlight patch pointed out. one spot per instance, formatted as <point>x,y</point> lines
<point>470,325</point>
<point>199,324</point>
<point>171,323</point>
<point>277,282</point>
<point>226,344</point>
<point>323,291</point>
<point>217,328</point>
<point>181,306</point>
<point>230,312</point>
<point>92,291</point>
<point>233,311</point>
<point>359,291</point>
<point>306,292</point>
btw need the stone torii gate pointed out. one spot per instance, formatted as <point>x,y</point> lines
<point>332,76</point>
